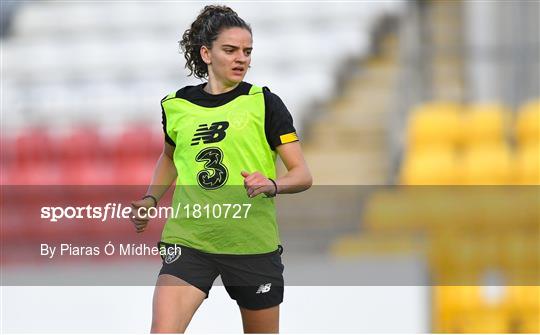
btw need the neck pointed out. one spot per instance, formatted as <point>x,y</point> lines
<point>218,87</point>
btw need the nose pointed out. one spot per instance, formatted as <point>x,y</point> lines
<point>241,57</point>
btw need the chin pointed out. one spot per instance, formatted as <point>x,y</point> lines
<point>235,79</point>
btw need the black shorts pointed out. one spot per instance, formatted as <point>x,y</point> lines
<point>254,281</point>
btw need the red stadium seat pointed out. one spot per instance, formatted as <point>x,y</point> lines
<point>81,162</point>
<point>136,151</point>
<point>33,146</point>
<point>138,142</point>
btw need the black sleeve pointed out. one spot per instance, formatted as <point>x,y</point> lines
<point>278,122</point>
<point>168,139</point>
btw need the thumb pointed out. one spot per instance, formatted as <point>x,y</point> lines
<point>137,203</point>
<point>244,174</point>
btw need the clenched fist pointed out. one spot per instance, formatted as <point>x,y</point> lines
<point>256,183</point>
<point>138,213</point>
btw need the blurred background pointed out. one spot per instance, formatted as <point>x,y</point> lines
<point>419,120</point>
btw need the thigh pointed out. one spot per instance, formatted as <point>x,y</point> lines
<point>174,304</point>
<point>261,320</point>
<point>255,282</point>
<point>191,266</point>
<point>184,281</point>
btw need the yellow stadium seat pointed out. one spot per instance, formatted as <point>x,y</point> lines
<point>519,257</point>
<point>522,210</point>
<point>486,321</point>
<point>416,210</point>
<point>388,211</point>
<point>485,123</point>
<point>435,166</point>
<point>453,299</point>
<point>464,309</point>
<point>529,323</point>
<point>528,165</point>
<point>522,303</point>
<point>455,259</point>
<point>528,124</point>
<point>521,300</point>
<point>372,244</point>
<point>435,124</point>
<point>488,165</point>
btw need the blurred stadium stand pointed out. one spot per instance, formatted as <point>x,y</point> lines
<point>105,66</point>
<point>467,114</point>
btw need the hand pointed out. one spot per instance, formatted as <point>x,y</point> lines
<point>140,221</point>
<point>256,183</point>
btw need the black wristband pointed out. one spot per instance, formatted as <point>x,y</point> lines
<point>151,197</point>
<point>275,188</point>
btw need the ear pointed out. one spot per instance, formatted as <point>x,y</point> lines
<point>205,55</point>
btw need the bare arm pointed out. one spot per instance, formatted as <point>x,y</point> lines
<point>164,173</point>
<point>297,179</point>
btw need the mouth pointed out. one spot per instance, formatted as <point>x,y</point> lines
<point>238,70</point>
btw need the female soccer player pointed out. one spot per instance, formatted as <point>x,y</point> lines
<point>219,134</point>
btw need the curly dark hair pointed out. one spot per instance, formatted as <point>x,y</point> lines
<point>204,31</point>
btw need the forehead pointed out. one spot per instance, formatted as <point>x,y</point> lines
<point>234,36</point>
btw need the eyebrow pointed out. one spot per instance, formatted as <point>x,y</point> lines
<point>235,47</point>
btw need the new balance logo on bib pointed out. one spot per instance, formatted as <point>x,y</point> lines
<point>210,134</point>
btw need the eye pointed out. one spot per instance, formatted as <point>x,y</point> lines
<point>248,52</point>
<point>228,51</point>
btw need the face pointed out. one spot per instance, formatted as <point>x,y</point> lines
<point>230,56</point>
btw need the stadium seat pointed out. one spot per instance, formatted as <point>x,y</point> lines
<point>519,257</point>
<point>32,160</point>
<point>433,166</point>
<point>81,144</point>
<point>488,165</point>
<point>523,202</point>
<point>529,323</point>
<point>522,300</point>
<point>528,164</point>
<point>434,124</point>
<point>80,158</point>
<point>485,124</point>
<point>135,152</point>
<point>464,309</point>
<point>370,245</point>
<point>7,151</point>
<point>454,258</point>
<point>527,127</point>
<point>414,210</point>
<point>390,211</point>
<point>137,142</point>
<point>452,299</point>
<point>33,146</point>
<point>486,320</point>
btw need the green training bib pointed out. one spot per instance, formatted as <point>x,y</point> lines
<point>211,209</point>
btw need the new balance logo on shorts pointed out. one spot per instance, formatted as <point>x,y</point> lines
<point>264,288</point>
<point>210,134</point>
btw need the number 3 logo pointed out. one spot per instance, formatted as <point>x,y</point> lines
<point>215,174</point>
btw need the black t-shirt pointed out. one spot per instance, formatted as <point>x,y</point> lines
<point>277,121</point>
